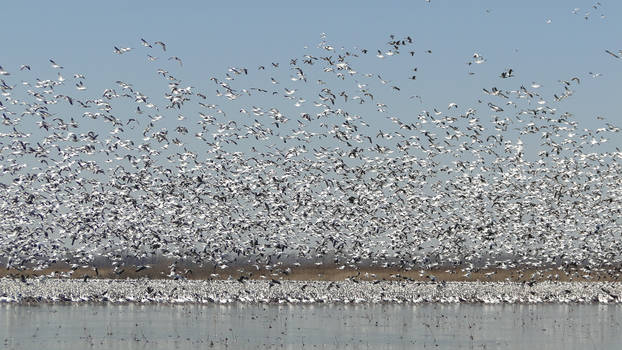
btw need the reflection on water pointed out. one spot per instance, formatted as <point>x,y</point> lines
<point>243,326</point>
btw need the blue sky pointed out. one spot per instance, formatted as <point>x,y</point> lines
<point>211,37</point>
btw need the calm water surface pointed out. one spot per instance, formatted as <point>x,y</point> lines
<point>244,326</point>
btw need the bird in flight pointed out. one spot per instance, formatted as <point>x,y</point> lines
<point>55,65</point>
<point>120,51</point>
<point>145,43</point>
<point>507,74</point>
<point>161,44</point>
<point>176,59</point>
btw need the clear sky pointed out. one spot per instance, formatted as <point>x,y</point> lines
<point>212,37</point>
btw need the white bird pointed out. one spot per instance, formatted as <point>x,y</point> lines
<point>163,45</point>
<point>55,65</point>
<point>145,43</point>
<point>122,50</point>
<point>176,59</point>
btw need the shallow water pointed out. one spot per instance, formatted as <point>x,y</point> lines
<point>243,326</point>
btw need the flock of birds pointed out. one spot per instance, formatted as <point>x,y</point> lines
<point>162,291</point>
<point>301,161</point>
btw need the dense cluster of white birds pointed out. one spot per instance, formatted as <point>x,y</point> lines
<point>305,292</point>
<point>315,159</point>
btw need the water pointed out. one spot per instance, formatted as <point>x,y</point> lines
<point>244,326</point>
